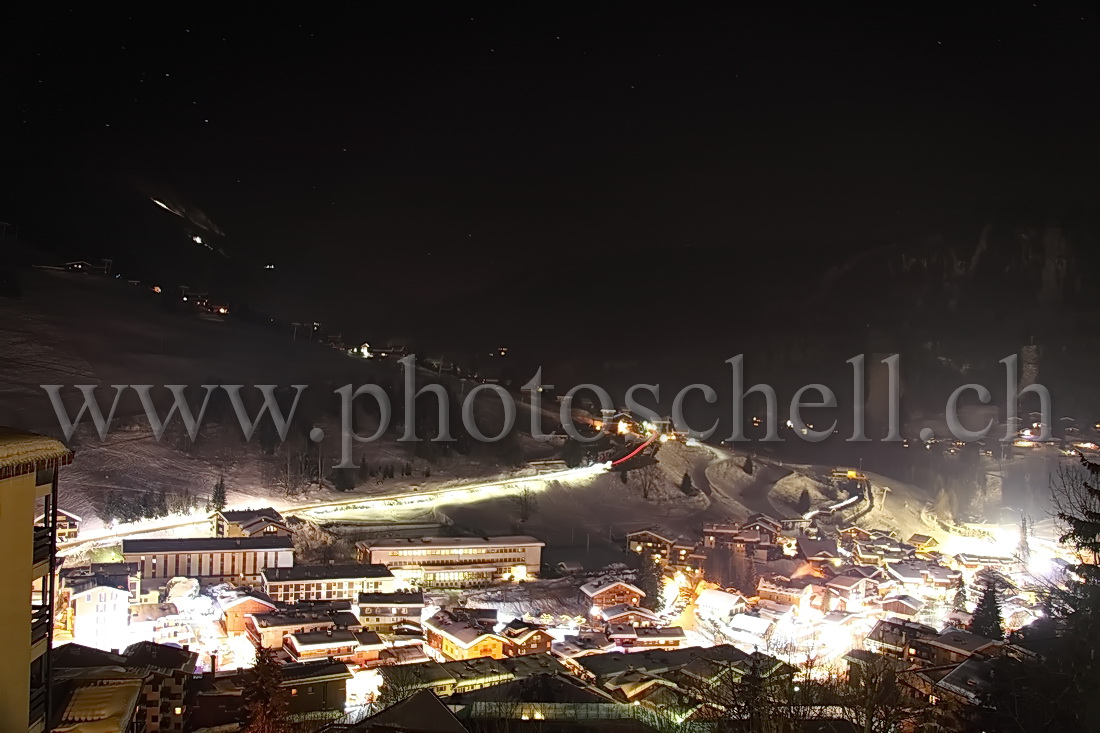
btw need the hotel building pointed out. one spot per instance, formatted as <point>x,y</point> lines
<point>455,562</point>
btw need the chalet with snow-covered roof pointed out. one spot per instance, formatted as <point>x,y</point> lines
<point>818,551</point>
<point>68,524</point>
<point>607,592</point>
<point>631,637</point>
<point>954,646</point>
<point>625,613</point>
<point>657,541</point>
<point>923,543</point>
<point>237,604</point>
<point>768,526</point>
<point>894,636</point>
<point>902,606</point>
<point>350,647</point>
<point>854,533</point>
<point>802,593</point>
<point>269,629</point>
<point>250,523</point>
<point>849,593</point>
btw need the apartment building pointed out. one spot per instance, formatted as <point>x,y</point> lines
<point>455,562</point>
<point>210,559</point>
<point>29,466</point>
<point>325,582</point>
<point>390,612</point>
<point>270,629</point>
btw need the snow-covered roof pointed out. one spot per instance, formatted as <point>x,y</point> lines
<point>593,587</point>
<point>752,624</point>
<point>719,600</point>
<point>22,452</point>
<point>102,705</point>
<point>622,609</point>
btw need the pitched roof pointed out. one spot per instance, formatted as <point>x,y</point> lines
<point>622,609</point>
<point>816,548</point>
<point>545,688</point>
<point>243,516</point>
<point>422,713</point>
<point>593,587</point>
<point>161,656</point>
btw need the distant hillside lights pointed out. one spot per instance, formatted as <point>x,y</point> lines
<point>647,417</point>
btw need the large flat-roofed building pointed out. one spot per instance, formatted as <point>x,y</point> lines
<point>455,562</point>
<point>210,559</point>
<point>326,582</point>
<point>28,488</point>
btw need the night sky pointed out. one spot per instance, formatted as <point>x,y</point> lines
<point>396,164</point>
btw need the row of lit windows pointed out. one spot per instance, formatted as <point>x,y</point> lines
<point>453,551</point>
<point>215,563</point>
<point>466,575</point>
<point>487,561</point>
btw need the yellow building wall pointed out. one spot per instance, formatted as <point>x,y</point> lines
<point>17,513</point>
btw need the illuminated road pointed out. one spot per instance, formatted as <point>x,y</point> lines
<point>408,498</point>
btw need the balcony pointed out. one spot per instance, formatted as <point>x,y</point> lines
<point>42,544</point>
<point>38,704</point>
<point>40,624</point>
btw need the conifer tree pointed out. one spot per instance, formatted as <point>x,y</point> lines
<point>264,698</point>
<point>686,485</point>
<point>987,614</point>
<point>958,601</point>
<point>217,498</point>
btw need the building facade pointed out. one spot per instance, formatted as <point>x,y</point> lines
<point>455,562</point>
<point>28,488</point>
<point>387,612</point>
<point>210,559</point>
<point>325,582</point>
<point>250,523</point>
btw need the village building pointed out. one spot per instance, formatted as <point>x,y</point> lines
<point>250,523</point>
<point>325,582</point>
<point>68,525</point>
<point>391,612</point>
<point>269,629</point>
<point>455,562</point>
<point>211,560</point>
<point>603,593</point>
<point>894,637</point>
<point>630,637</point>
<point>718,604</point>
<point>849,593</point>
<point>236,605</point>
<point>624,613</point>
<point>350,647</point>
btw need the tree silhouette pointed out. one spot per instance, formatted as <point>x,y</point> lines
<point>217,498</point>
<point>987,615</point>
<point>264,698</point>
